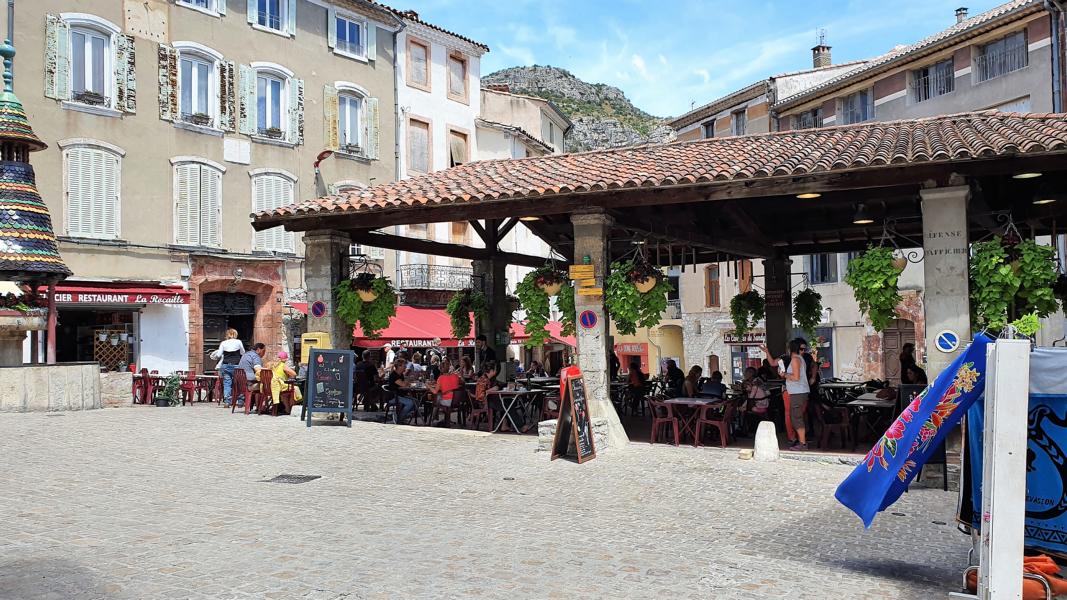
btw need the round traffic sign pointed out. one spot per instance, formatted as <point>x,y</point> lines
<point>587,319</point>
<point>318,309</point>
<point>947,341</point>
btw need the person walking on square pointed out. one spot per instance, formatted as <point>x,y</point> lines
<point>797,385</point>
<point>229,354</point>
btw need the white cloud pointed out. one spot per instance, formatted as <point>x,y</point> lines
<point>639,65</point>
<point>703,74</point>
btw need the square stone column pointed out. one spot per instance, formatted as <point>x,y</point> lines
<point>779,300</point>
<point>325,265</point>
<point>945,269</point>
<point>591,232</point>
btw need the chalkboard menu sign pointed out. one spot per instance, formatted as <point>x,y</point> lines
<point>574,425</point>
<point>330,382</point>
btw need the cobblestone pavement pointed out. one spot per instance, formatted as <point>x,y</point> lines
<point>171,503</point>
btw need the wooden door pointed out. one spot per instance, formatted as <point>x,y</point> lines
<point>899,332</point>
<point>214,333</point>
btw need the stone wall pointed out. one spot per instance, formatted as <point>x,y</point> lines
<point>116,389</point>
<point>703,336</point>
<point>40,388</point>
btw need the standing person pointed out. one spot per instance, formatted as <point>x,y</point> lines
<point>798,387</point>
<point>637,385</point>
<point>483,352</point>
<point>366,381</point>
<point>390,355</point>
<point>252,363</point>
<point>615,365</point>
<point>229,354</point>
<point>910,371</point>
<point>397,385</point>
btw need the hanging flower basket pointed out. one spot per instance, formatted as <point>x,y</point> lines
<point>899,262</point>
<point>549,280</point>
<point>364,286</point>
<point>372,315</point>
<point>459,310</point>
<point>644,276</point>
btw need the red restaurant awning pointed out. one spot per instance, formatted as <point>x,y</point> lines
<point>414,327</point>
<point>518,334</point>
<point>110,294</point>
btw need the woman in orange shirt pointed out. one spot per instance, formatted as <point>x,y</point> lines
<point>444,388</point>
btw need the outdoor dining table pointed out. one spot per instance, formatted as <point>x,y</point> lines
<point>687,419</point>
<point>873,412</point>
<point>508,400</point>
<point>206,383</point>
<point>543,381</point>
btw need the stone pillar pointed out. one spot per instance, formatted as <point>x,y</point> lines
<point>945,267</point>
<point>325,265</point>
<point>591,239</point>
<point>497,320</point>
<point>779,320</point>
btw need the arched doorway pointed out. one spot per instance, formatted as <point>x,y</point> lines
<point>899,332</point>
<point>222,311</point>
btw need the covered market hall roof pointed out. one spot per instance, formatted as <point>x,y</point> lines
<point>872,161</point>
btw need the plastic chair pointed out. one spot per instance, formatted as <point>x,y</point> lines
<point>188,387</point>
<point>662,417</point>
<point>711,417</point>
<point>548,412</point>
<point>143,391</point>
<point>261,396</point>
<point>240,389</point>
<point>459,402</point>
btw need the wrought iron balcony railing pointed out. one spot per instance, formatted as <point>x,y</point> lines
<point>673,310</point>
<point>436,277</point>
<point>995,63</point>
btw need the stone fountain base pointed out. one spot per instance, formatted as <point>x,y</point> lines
<point>13,328</point>
<point>30,388</point>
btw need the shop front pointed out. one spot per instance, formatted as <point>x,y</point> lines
<point>121,325</point>
<point>745,351</point>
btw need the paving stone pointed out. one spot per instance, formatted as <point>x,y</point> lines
<point>145,503</point>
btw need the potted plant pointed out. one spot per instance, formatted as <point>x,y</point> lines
<point>549,280</point>
<point>873,279</point>
<point>90,97</point>
<point>1012,282</point>
<point>168,396</point>
<point>536,303</point>
<point>363,283</point>
<point>199,118</point>
<point>460,307</point>
<point>746,310</point>
<point>565,305</point>
<point>807,310</point>
<point>629,307</point>
<point>272,132</point>
<point>372,315</point>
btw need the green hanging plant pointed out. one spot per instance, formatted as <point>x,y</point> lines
<point>807,310</point>
<point>746,310</point>
<point>629,307</point>
<point>460,307</point>
<point>565,304</point>
<point>537,304</point>
<point>873,278</point>
<point>1010,280</point>
<point>1027,325</point>
<point>372,316</point>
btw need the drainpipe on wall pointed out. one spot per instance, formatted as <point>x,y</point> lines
<point>1057,12</point>
<point>396,132</point>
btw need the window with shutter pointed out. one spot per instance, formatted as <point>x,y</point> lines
<point>349,126</point>
<point>418,69</point>
<point>272,190</point>
<point>457,148</point>
<point>457,77</point>
<point>273,105</point>
<point>92,189</point>
<point>418,146</point>
<point>198,204</point>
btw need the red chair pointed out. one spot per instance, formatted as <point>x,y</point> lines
<point>261,396</point>
<point>546,411</point>
<point>143,388</point>
<point>240,389</point>
<point>662,417</point>
<point>287,399</point>
<point>218,389</point>
<point>188,387</point>
<point>718,417</point>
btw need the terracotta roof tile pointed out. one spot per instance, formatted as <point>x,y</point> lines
<point>788,153</point>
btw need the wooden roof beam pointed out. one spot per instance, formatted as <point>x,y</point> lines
<point>395,242</point>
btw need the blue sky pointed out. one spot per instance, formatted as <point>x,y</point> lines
<point>668,54</point>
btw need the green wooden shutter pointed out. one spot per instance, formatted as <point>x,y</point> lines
<point>57,58</point>
<point>168,82</point>
<point>330,111</point>
<point>290,17</point>
<point>227,96</point>
<point>370,117</point>
<point>372,41</point>
<point>296,111</point>
<point>247,94</point>
<point>331,27</point>
<point>125,74</point>
<point>220,6</point>
<point>251,11</point>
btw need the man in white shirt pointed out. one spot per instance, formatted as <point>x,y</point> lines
<point>390,356</point>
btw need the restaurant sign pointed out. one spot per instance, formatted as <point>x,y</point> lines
<point>120,297</point>
<point>429,343</point>
<point>731,337</point>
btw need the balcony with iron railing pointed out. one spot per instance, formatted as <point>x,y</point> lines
<point>673,310</point>
<point>435,277</point>
<point>994,63</point>
<point>933,85</point>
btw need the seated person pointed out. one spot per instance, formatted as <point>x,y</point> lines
<point>691,385</point>
<point>675,378</point>
<point>397,385</point>
<point>536,370</point>
<point>715,387</point>
<point>282,371</point>
<point>638,381</point>
<point>444,388</point>
<point>367,381</point>
<point>755,391</point>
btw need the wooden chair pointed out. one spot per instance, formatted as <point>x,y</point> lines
<point>718,417</point>
<point>240,389</point>
<point>188,388</point>
<point>662,417</point>
<point>261,396</point>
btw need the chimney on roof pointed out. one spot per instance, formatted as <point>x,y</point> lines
<point>499,87</point>
<point>961,14</point>
<point>820,54</point>
<point>414,16</point>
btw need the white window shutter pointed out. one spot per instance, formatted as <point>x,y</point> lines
<point>252,11</point>
<point>110,199</point>
<point>210,205</point>
<point>372,41</point>
<point>290,17</point>
<point>331,110</point>
<point>247,111</point>
<point>227,96</point>
<point>77,185</point>
<point>287,199</point>
<point>296,111</point>
<point>371,127</point>
<point>57,58</point>
<point>220,6</point>
<point>168,82</point>
<point>186,204</point>
<point>331,27</point>
<point>259,237</point>
<point>125,74</point>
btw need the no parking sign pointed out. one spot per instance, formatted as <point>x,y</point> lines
<point>587,319</point>
<point>947,341</point>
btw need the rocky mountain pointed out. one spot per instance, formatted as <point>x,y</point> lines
<point>603,117</point>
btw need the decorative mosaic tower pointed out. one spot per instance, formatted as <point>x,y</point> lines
<point>29,253</point>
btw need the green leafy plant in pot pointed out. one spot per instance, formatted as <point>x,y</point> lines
<point>550,280</point>
<point>807,310</point>
<point>746,310</point>
<point>873,278</point>
<point>353,307</point>
<point>629,307</point>
<point>168,396</point>
<point>1012,282</point>
<point>460,307</point>
<point>565,304</point>
<point>533,297</point>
